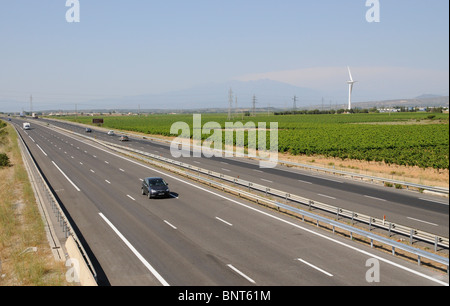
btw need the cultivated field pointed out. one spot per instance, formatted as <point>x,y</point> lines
<point>398,143</point>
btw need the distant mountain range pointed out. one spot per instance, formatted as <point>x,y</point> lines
<point>268,94</point>
<point>216,95</point>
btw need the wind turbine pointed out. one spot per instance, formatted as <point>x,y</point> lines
<point>350,89</point>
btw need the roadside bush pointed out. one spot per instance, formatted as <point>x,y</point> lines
<point>4,160</point>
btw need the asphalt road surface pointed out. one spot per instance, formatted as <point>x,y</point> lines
<point>201,236</point>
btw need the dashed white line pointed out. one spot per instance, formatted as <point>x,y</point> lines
<point>92,170</point>
<point>70,181</point>
<point>135,252</point>
<point>306,182</point>
<point>326,196</point>
<point>312,266</point>
<point>168,223</point>
<point>266,180</point>
<point>41,150</point>
<point>241,274</point>
<point>131,197</point>
<point>375,198</point>
<point>226,170</point>
<point>228,223</point>
<point>108,181</point>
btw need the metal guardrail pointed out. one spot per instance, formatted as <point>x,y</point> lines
<point>62,219</point>
<point>340,212</point>
<point>174,167</point>
<point>352,175</point>
<point>319,219</point>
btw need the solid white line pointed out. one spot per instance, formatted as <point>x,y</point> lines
<point>224,221</point>
<point>76,187</point>
<point>41,150</point>
<point>375,198</point>
<point>428,200</point>
<point>312,266</point>
<point>241,274</point>
<point>280,219</point>
<point>131,197</point>
<point>422,221</point>
<point>139,256</point>
<point>167,222</point>
<point>324,195</point>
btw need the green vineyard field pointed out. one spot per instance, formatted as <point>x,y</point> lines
<point>411,139</point>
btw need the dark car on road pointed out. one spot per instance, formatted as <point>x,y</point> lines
<point>123,138</point>
<point>155,187</point>
<point>88,130</point>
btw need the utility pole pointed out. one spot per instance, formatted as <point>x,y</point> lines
<point>254,106</point>
<point>31,105</point>
<point>230,103</point>
<point>295,103</point>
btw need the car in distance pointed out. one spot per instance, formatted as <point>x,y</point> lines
<point>123,138</point>
<point>155,187</point>
<point>111,133</point>
<point>88,130</point>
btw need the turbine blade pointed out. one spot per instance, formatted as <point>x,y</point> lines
<point>350,74</point>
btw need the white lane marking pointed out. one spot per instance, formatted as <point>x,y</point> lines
<point>422,221</point>
<point>121,170</point>
<point>135,252</point>
<point>305,182</point>
<point>326,196</point>
<point>313,266</point>
<point>241,274</point>
<point>70,181</point>
<point>341,243</point>
<point>375,198</point>
<point>226,170</point>
<point>266,181</point>
<point>108,181</point>
<point>434,201</point>
<point>31,138</point>
<point>257,171</point>
<point>106,162</point>
<point>41,150</point>
<point>224,221</point>
<point>92,171</point>
<point>172,226</point>
<point>131,197</point>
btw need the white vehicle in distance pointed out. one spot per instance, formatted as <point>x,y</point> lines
<point>26,126</point>
<point>111,133</point>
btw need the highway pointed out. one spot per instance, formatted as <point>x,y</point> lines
<point>201,236</point>
<point>421,211</point>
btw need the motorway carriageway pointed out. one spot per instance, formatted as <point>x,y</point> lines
<point>198,236</point>
<point>415,210</point>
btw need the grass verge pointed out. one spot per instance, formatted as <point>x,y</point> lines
<point>25,255</point>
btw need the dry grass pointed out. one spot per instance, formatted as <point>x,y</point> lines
<point>26,258</point>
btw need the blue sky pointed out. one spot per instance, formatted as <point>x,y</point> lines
<point>122,48</point>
